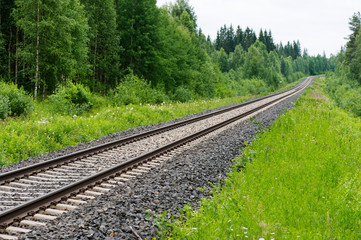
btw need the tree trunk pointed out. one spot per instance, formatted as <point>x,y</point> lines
<point>24,44</point>
<point>37,52</point>
<point>44,89</point>
<point>16,55</point>
<point>95,60</point>
<point>9,52</point>
<point>131,45</point>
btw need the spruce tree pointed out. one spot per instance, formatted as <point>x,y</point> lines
<point>353,48</point>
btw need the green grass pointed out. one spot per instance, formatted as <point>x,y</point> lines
<point>300,179</point>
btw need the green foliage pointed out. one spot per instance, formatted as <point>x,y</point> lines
<point>71,99</point>
<point>300,179</point>
<point>4,107</point>
<point>137,23</point>
<point>182,62</point>
<point>253,86</point>
<point>104,44</point>
<point>182,94</point>
<point>162,222</point>
<point>14,101</point>
<point>135,90</point>
<point>97,43</point>
<point>59,36</point>
<point>345,92</point>
<point>184,12</point>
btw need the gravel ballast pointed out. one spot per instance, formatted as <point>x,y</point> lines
<point>167,188</point>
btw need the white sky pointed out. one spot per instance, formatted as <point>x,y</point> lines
<point>319,25</point>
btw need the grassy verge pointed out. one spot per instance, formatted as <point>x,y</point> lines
<point>41,131</point>
<point>299,180</point>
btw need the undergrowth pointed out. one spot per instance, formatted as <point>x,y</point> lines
<point>298,180</point>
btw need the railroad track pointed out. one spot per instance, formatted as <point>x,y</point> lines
<point>33,195</point>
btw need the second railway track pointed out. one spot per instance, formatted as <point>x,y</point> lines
<point>25,191</point>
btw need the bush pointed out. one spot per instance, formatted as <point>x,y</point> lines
<point>134,90</point>
<point>71,99</point>
<point>182,94</point>
<point>354,103</point>
<point>345,92</point>
<point>253,86</point>
<point>4,107</point>
<point>14,101</point>
<point>295,76</point>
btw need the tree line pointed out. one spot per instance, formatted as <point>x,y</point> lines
<point>344,85</point>
<point>46,43</point>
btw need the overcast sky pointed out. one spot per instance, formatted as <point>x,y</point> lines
<point>319,25</point>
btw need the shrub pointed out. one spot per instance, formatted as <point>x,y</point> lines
<point>345,92</point>
<point>182,94</point>
<point>4,107</point>
<point>354,103</point>
<point>71,99</point>
<point>135,90</point>
<point>17,101</point>
<point>254,86</point>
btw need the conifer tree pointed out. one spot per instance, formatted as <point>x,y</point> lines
<point>261,37</point>
<point>239,36</point>
<point>353,47</point>
<point>229,40</point>
<point>249,38</point>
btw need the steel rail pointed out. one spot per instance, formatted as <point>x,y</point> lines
<point>28,170</point>
<point>29,208</point>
